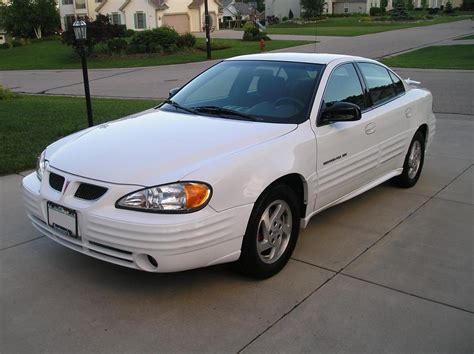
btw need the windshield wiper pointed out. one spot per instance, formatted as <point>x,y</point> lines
<point>178,106</point>
<point>220,111</point>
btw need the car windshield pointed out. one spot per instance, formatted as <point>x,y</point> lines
<point>266,91</point>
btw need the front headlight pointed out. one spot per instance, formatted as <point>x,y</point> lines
<point>41,165</point>
<point>183,197</point>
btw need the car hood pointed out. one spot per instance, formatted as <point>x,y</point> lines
<point>156,147</point>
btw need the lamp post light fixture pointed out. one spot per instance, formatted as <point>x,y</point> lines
<point>80,32</point>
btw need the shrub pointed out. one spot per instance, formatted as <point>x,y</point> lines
<point>248,36</point>
<point>98,31</point>
<point>467,5</point>
<point>433,11</point>
<point>284,19</point>
<point>117,45</point>
<point>5,45</point>
<point>448,9</point>
<point>409,5</point>
<point>128,33</point>
<point>166,36</point>
<point>290,15</point>
<point>17,43</point>
<point>186,40</point>
<point>6,94</point>
<point>376,11</point>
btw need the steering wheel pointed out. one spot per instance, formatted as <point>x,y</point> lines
<point>291,100</point>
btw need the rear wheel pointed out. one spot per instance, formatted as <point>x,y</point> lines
<point>413,162</point>
<point>271,233</point>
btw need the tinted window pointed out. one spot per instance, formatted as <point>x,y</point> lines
<point>344,86</point>
<point>379,83</point>
<point>398,84</point>
<point>269,91</point>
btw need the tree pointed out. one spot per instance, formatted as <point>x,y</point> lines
<point>290,15</point>
<point>30,18</point>
<point>383,4</point>
<point>399,12</point>
<point>424,4</point>
<point>448,8</point>
<point>409,5</point>
<point>312,8</point>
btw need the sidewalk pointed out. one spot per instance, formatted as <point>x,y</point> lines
<point>155,82</point>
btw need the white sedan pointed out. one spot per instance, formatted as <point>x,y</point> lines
<point>233,164</point>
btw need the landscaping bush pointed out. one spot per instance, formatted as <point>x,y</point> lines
<point>149,41</point>
<point>186,40</point>
<point>98,31</point>
<point>17,43</point>
<point>5,45</point>
<point>252,33</point>
<point>117,45</point>
<point>290,15</point>
<point>215,45</point>
<point>448,9</point>
<point>376,11</point>
<point>399,12</point>
<point>467,5</point>
<point>284,19</point>
<point>6,94</point>
<point>433,11</point>
<point>128,33</point>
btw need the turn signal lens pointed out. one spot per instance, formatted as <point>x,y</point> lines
<point>196,195</point>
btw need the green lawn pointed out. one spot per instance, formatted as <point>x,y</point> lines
<point>353,26</point>
<point>471,36</point>
<point>436,57</point>
<point>30,123</point>
<point>55,55</point>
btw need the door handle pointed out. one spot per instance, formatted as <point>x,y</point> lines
<point>408,113</point>
<point>370,128</point>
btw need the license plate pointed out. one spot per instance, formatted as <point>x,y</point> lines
<point>62,219</point>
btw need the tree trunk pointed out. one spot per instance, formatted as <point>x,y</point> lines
<point>37,31</point>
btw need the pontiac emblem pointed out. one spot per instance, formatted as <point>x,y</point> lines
<point>66,184</point>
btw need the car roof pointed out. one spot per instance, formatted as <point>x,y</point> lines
<point>314,58</point>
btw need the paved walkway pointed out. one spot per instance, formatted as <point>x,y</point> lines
<point>389,271</point>
<point>155,82</point>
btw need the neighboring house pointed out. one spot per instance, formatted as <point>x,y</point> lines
<point>233,9</point>
<point>183,15</point>
<point>3,36</point>
<point>281,8</point>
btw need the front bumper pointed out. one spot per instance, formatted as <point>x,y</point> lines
<point>175,242</point>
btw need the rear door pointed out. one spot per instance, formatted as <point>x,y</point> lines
<point>390,112</point>
<point>347,151</point>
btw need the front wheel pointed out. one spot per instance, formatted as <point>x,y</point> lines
<point>271,233</point>
<point>413,162</point>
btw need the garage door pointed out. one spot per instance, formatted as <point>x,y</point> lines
<point>179,22</point>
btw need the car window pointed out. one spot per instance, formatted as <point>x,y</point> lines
<point>218,86</point>
<point>378,81</point>
<point>398,84</point>
<point>344,86</point>
<point>268,91</point>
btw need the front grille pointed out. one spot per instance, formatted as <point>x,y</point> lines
<point>88,191</point>
<point>56,181</point>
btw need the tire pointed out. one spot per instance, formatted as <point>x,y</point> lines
<point>413,162</point>
<point>267,248</point>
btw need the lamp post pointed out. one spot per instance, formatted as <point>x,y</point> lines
<point>208,28</point>
<point>80,32</point>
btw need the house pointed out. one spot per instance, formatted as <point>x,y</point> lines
<point>3,36</point>
<point>281,8</point>
<point>183,15</point>
<point>233,9</point>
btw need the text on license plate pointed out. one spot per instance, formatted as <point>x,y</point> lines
<point>62,219</point>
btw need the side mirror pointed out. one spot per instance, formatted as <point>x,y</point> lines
<point>341,112</point>
<point>173,91</point>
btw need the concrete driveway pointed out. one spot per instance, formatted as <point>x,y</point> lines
<point>389,271</point>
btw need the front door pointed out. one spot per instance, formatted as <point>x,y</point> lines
<point>347,151</point>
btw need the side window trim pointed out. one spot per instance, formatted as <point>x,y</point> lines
<point>374,106</point>
<point>362,85</point>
